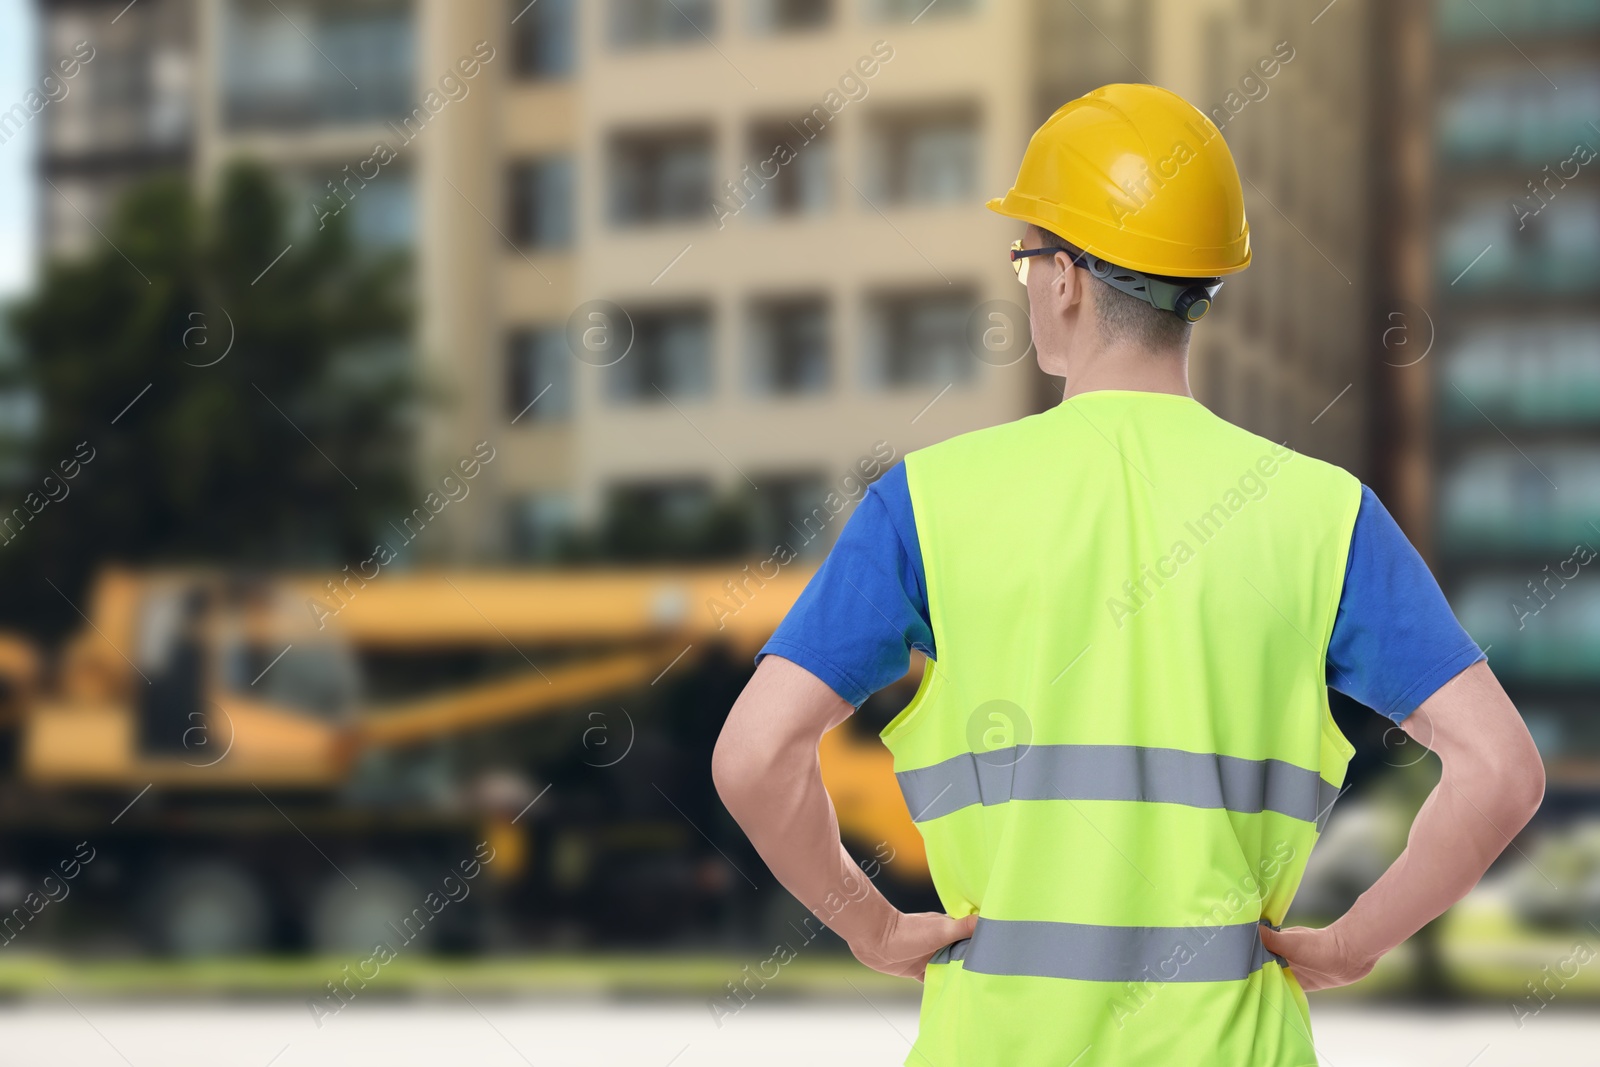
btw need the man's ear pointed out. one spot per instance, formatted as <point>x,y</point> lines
<point>1080,279</point>
<point>1068,284</point>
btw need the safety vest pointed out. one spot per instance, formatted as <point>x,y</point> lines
<point>1123,754</point>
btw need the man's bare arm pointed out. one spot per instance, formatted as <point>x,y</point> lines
<point>769,776</point>
<point>1491,784</point>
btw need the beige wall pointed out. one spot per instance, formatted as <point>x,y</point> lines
<point>844,253</point>
<point>1015,61</point>
<point>460,199</point>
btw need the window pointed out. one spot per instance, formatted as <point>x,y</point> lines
<point>643,22</point>
<point>541,202</point>
<point>543,38</point>
<point>295,66</point>
<point>1464,19</point>
<point>671,355</point>
<point>677,519</point>
<point>1497,115</point>
<point>789,348</point>
<point>924,157</point>
<point>916,10</point>
<point>790,510</point>
<point>1533,372</point>
<point>539,525</point>
<point>380,213</point>
<point>121,79</point>
<point>538,376</point>
<point>918,338</point>
<point>782,16</point>
<point>661,176</point>
<point>385,215</point>
<point>1494,496</point>
<point>668,503</point>
<point>790,170</point>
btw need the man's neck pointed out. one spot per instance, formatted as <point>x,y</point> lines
<point>1129,368</point>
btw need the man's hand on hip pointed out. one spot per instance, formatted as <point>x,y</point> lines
<point>906,943</point>
<point>1319,958</point>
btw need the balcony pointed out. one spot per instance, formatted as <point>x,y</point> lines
<point>1469,20</point>
<point>1505,499</point>
<point>1514,116</point>
<point>1548,250</point>
<point>297,67</point>
<point>1538,627</point>
<point>1539,374</point>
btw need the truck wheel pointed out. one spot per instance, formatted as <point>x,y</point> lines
<point>209,909</point>
<point>389,908</point>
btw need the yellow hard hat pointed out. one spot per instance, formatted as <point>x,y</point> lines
<point>1138,176</point>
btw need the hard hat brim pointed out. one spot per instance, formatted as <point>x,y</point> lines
<point>1024,209</point>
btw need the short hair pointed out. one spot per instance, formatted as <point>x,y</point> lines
<point>1120,317</point>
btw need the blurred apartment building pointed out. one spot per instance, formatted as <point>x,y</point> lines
<point>827,302</point>
<point>126,114</point>
<point>1498,258</point>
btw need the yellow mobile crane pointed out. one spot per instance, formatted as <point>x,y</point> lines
<point>248,711</point>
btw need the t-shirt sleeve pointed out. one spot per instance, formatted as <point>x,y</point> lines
<point>865,609</point>
<point>1395,640</point>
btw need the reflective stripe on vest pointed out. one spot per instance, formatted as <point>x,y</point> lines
<point>1111,953</point>
<point>1116,772</point>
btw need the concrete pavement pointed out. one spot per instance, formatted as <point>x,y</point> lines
<point>488,1032</point>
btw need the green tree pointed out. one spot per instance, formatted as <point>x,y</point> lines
<point>238,409</point>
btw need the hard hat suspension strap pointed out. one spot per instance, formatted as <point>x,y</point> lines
<point>1188,298</point>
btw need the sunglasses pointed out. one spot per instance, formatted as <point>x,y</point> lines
<point>1188,298</point>
<point>1020,257</point>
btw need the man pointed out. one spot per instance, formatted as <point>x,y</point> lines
<point>1121,751</point>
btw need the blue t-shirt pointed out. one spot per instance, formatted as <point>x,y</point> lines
<point>1395,640</point>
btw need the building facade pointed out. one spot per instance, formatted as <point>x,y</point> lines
<point>118,90</point>
<point>1512,407</point>
<point>691,265</point>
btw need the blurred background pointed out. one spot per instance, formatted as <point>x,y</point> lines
<point>414,414</point>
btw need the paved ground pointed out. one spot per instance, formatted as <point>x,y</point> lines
<point>490,1033</point>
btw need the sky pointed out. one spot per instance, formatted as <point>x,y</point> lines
<point>16,155</point>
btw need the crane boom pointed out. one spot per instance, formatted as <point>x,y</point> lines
<point>434,608</point>
<point>528,693</point>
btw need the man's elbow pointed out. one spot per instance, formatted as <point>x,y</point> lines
<point>735,770</point>
<point>1513,782</point>
<point>1530,783</point>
